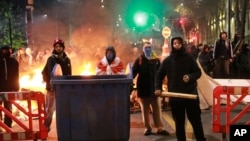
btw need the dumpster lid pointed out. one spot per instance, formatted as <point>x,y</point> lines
<point>75,79</point>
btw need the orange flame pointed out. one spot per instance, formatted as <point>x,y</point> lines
<point>87,69</point>
<point>32,81</point>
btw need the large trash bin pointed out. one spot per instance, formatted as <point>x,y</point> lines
<point>91,108</point>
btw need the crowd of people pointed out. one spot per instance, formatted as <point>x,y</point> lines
<point>225,59</point>
<point>180,70</point>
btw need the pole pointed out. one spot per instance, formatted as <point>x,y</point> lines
<point>179,95</point>
<point>57,23</point>
<point>229,19</point>
<point>10,28</point>
<point>10,31</point>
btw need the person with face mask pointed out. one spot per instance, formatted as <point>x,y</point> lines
<point>110,64</point>
<point>58,57</point>
<point>144,69</point>
<point>9,78</point>
<point>182,73</point>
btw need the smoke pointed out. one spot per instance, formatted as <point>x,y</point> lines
<point>86,28</point>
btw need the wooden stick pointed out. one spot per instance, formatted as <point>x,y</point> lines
<point>179,95</point>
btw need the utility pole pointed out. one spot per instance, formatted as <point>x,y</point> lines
<point>10,26</point>
<point>228,19</point>
<point>29,20</point>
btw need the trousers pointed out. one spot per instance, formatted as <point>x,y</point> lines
<point>146,104</point>
<point>191,108</point>
<point>50,107</point>
<point>8,106</point>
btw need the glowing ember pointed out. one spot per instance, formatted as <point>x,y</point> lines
<point>32,81</point>
<point>87,69</point>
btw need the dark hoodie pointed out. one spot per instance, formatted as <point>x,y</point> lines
<point>61,59</point>
<point>110,59</point>
<point>175,66</point>
<point>9,71</point>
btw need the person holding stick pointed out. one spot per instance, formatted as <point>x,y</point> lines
<point>182,73</point>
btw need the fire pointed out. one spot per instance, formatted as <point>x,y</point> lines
<point>87,69</point>
<point>32,81</point>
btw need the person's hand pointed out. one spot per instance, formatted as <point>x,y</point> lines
<point>230,60</point>
<point>185,78</point>
<point>158,92</point>
<point>109,70</point>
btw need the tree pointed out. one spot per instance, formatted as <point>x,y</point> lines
<point>12,24</point>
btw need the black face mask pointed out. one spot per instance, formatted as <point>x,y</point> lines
<point>178,51</point>
<point>110,56</point>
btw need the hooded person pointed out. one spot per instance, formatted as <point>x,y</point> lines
<point>182,72</point>
<point>110,64</point>
<point>9,78</point>
<point>144,69</point>
<point>58,59</point>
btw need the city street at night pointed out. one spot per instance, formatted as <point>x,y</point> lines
<point>98,63</point>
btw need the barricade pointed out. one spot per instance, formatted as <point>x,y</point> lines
<point>222,114</point>
<point>28,132</point>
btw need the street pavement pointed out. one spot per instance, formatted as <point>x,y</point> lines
<point>137,128</point>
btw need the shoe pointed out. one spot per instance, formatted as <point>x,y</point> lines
<point>147,132</point>
<point>162,132</point>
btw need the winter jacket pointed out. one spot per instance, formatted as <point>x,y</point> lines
<point>146,70</point>
<point>223,49</point>
<point>175,67</point>
<point>9,74</point>
<point>54,59</point>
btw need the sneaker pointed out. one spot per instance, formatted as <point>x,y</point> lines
<point>162,132</point>
<point>147,132</point>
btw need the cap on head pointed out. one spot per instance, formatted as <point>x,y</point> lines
<point>59,41</point>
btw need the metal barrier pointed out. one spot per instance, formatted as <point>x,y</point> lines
<point>28,132</point>
<point>222,113</point>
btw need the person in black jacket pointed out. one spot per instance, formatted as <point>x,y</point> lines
<point>223,55</point>
<point>206,60</point>
<point>9,78</point>
<point>58,57</point>
<point>242,62</point>
<point>182,73</point>
<point>145,66</point>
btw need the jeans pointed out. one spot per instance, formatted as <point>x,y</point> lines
<point>50,107</point>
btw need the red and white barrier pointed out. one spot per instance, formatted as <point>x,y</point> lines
<point>222,114</point>
<point>28,131</point>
